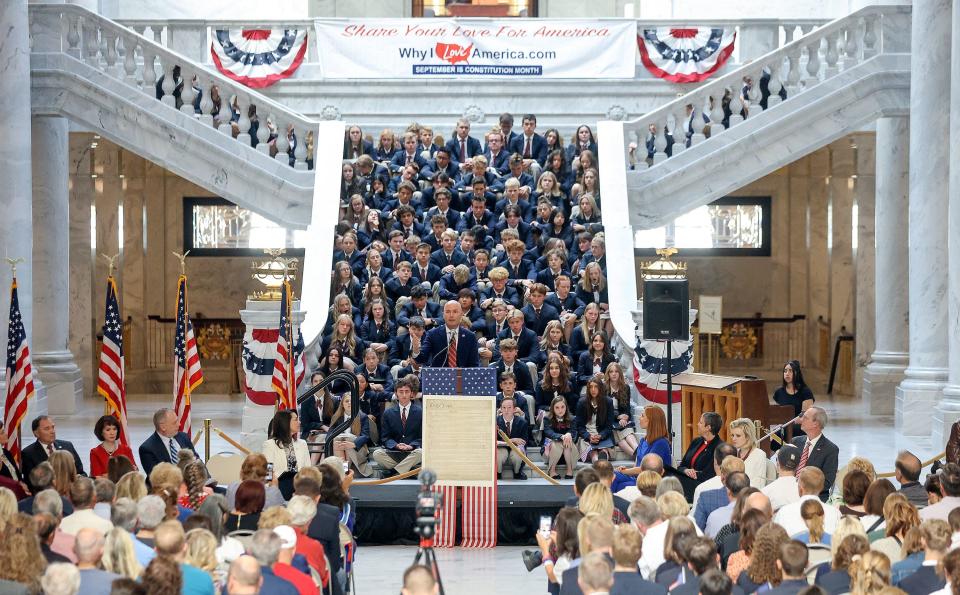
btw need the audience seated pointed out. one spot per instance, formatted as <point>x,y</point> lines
<point>810,482</point>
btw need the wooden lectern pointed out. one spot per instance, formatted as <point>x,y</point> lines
<point>732,397</point>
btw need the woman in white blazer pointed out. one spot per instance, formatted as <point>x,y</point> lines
<point>743,437</point>
<point>284,448</point>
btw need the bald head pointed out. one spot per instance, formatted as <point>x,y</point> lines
<point>418,580</point>
<point>244,577</point>
<point>452,313</point>
<point>758,501</point>
<point>652,462</point>
<point>88,546</point>
<point>908,466</point>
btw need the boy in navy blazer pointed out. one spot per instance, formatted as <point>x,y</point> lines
<point>517,429</point>
<point>463,147</point>
<point>401,433</point>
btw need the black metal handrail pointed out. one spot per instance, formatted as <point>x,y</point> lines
<point>351,379</point>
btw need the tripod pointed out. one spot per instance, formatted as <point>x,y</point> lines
<point>429,557</point>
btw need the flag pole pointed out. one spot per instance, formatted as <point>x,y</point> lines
<point>111,263</point>
<point>13,262</point>
<point>186,373</point>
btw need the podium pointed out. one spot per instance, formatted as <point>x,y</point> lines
<point>732,397</point>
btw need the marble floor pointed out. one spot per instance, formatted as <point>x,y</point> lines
<point>479,571</point>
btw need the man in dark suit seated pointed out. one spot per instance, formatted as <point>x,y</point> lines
<point>324,526</point>
<point>816,450</point>
<point>477,215</point>
<point>531,146</point>
<point>448,255</point>
<point>537,314</point>
<point>164,445</point>
<point>596,538</point>
<point>45,430</point>
<point>379,378</point>
<point>401,432</point>
<point>424,271</point>
<point>517,429</point>
<point>463,147</point>
<point>407,155</point>
<point>442,208</point>
<point>496,154</point>
<point>450,345</point>
<point>442,163</point>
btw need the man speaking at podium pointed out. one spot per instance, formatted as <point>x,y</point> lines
<point>450,345</point>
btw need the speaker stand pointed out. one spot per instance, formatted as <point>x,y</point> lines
<point>670,391</point>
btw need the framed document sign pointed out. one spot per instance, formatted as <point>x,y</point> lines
<point>711,314</point>
<point>459,425</point>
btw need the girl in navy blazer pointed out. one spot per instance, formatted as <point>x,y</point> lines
<point>344,282</point>
<point>377,329</point>
<point>331,362</point>
<point>559,228</point>
<point>315,412</point>
<point>560,438</point>
<point>595,421</point>
<point>555,383</point>
<point>616,386</point>
<point>353,444</point>
<point>551,342</point>
<point>594,360</point>
<point>593,287</point>
<point>376,289</point>
<point>558,166</point>
<point>582,333</point>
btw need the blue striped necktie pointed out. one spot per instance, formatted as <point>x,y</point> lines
<point>173,451</point>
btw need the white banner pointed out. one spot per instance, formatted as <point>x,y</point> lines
<point>476,48</point>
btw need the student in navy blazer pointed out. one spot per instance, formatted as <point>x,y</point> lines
<point>434,352</point>
<point>401,432</point>
<point>526,339</point>
<point>442,162</point>
<point>419,306</point>
<point>538,144</point>
<point>462,140</point>
<point>407,154</point>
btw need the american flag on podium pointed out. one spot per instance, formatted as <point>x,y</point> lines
<point>479,503</point>
<point>110,378</point>
<point>19,375</point>
<point>187,374</point>
<point>284,373</point>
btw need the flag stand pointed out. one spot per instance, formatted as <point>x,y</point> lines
<point>110,266</point>
<point>19,376</point>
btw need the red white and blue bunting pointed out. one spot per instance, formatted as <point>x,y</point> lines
<point>259,359</point>
<point>258,58</point>
<point>650,368</point>
<point>686,55</point>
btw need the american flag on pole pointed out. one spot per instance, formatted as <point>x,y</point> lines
<point>284,374</point>
<point>19,375</point>
<point>478,502</point>
<point>187,374</point>
<point>110,381</point>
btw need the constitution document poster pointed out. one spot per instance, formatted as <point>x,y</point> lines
<point>476,48</point>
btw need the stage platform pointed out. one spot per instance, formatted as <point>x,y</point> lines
<point>385,513</point>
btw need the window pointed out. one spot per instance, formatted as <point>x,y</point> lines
<point>217,227</point>
<point>475,8</point>
<point>730,226</point>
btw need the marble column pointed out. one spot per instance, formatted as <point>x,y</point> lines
<point>52,359</point>
<point>864,192</point>
<point>949,409</point>
<point>16,226</point>
<point>890,356</point>
<point>926,374</point>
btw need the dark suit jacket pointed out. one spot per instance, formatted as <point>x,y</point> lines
<point>538,323</point>
<point>631,583</point>
<point>325,528</point>
<point>311,418</point>
<point>924,580</point>
<point>34,454</point>
<point>570,585</point>
<point>433,273</point>
<point>510,295</point>
<point>520,370</point>
<point>409,310</point>
<point>585,366</point>
<point>519,428</point>
<point>434,350</point>
<point>154,450</point>
<point>399,161</point>
<point>793,587</point>
<point>604,426</point>
<point>824,457</point>
<point>526,343</point>
<point>538,147</point>
<point>473,149</point>
<point>501,162</point>
<point>393,432</point>
<point>457,257</point>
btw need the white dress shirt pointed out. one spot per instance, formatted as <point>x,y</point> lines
<point>782,491</point>
<point>789,517</point>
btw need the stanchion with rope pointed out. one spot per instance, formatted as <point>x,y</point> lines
<point>523,457</point>
<point>206,439</point>
<point>922,465</point>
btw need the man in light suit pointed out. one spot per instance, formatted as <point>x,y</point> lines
<point>401,432</point>
<point>45,431</point>
<point>438,342</point>
<point>815,449</point>
<point>164,445</point>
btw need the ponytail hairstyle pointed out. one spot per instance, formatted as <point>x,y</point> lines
<point>869,573</point>
<point>812,513</point>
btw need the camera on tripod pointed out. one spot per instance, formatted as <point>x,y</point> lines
<point>428,501</point>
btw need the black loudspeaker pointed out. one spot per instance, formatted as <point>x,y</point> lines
<point>666,310</point>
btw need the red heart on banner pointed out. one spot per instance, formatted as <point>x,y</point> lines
<point>453,52</point>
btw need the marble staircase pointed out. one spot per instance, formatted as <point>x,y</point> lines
<point>838,78</point>
<point>104,76</point>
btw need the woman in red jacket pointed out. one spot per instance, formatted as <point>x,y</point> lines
<point>107,432</point>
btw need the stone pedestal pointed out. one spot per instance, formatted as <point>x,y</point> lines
<point>52,360</point>
<point>261,315</point>
<point>926,375</point>
<point>888,362</point>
